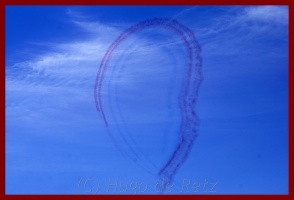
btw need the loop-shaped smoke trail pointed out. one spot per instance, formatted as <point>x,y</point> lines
<point>189,93</point>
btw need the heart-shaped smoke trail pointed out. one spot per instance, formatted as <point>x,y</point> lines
<point>188,94</point>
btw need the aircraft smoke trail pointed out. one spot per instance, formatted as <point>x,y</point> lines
<point>189,94</point>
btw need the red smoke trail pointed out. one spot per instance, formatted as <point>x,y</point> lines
<point>190,121</point>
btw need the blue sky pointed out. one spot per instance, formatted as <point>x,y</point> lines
<point>57,143</point>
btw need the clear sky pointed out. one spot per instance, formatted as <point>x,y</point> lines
<point>57,142</point>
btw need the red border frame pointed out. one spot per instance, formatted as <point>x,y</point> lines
<point>3,3</point>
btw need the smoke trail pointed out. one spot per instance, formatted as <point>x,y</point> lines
<point>188,95</point>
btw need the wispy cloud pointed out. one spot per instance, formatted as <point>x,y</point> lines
<point>234,32</point>
<point>73,13</point>
<point>63,76</point>
<point>268,14</point>
<point>56,81</point>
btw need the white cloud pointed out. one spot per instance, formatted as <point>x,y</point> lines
<point>64,77</point>
<point>75,14</point>
<point>234,32</point>
<point>56,82</point>
<point>97,27</point>
<point>268,14</point>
